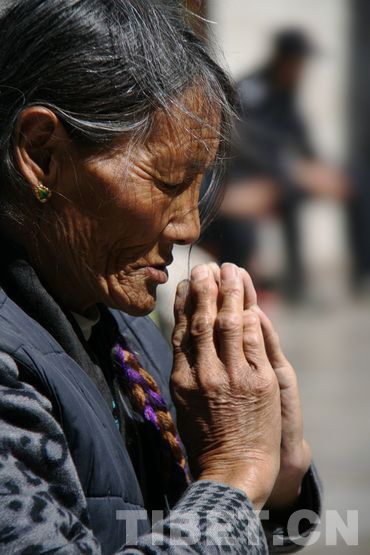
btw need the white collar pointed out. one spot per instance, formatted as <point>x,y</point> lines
<point>87,321</point>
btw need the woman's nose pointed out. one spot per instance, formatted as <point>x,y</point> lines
<point>184,229</point>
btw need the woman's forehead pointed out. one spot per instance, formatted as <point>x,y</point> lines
<point>193,112</point>
<point>191,131</point>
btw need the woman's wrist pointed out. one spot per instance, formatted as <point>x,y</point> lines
<point>256,485</point>
<point>293,468</point>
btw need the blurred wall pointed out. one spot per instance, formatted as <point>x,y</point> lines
<point>243,29</point>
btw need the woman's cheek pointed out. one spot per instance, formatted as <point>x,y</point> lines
<point>150,213</point>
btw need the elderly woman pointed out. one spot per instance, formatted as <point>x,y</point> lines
<point>111,111</point>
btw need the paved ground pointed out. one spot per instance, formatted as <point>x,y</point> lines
<point>330,349</point>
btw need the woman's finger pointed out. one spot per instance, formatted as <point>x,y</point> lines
<point>215,269</point>
<point>253,341</point>
<point>181,328</point>
<point>203,297</point>
<point>230,317</point>
<point>271,338</point>
<point>284,371</point>
<point>181,375</point>
<point>250,295</point>
<point>291,411</point>
<point>180,301</point>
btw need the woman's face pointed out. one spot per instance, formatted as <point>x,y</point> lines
<point>113,219</point>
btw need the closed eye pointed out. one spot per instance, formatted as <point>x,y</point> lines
<point>174,188</point>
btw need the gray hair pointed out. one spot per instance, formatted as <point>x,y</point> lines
<point>104,67</point>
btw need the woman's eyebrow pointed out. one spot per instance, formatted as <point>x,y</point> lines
<point>185,162</point>
<point>197,166</point>
<point>176,164</point>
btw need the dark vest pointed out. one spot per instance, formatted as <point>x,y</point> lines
<point>102,461</point>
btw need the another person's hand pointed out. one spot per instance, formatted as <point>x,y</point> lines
<point>253,197</point>
<point>225,390</point>
<point>321,179</point>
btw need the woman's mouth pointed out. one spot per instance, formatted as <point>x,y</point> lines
<point>157,273</point>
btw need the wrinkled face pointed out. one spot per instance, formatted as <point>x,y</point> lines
<point>118,215</point>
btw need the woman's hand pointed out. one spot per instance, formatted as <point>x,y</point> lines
<point>295,453</point>
<point>224,387</point>
<point>295,457</point>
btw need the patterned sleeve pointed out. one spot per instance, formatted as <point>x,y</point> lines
<point>211,518</point>
<point>43,507</point>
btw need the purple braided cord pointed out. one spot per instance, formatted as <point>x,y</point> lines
<point>153,401</point>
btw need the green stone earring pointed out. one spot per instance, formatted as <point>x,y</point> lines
<point>42,193</point>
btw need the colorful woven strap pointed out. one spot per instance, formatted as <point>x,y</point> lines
<point>147,400</point>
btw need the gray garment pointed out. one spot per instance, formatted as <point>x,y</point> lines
<point>38,482</point>
<point>43,508</point>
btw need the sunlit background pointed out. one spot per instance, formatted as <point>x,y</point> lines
<point>324,320</point>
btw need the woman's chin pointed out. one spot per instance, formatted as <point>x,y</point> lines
<point>138,310</point>
<point>139,302</point>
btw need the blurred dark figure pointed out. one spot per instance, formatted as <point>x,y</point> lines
<point>276,166</point>
<point>359,123</point>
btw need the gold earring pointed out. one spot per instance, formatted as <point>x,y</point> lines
<point>42,193</point>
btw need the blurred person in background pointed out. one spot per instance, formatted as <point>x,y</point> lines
<point>276,165</point>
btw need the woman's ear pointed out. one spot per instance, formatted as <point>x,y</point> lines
<point>39,138</point>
